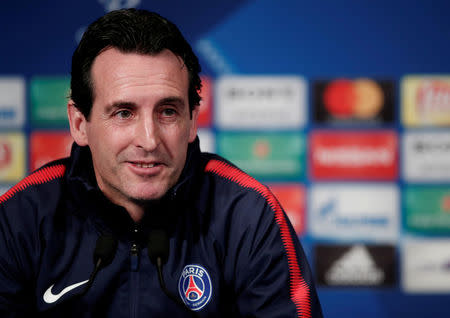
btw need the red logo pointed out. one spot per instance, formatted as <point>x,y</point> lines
<point>445,204</point>
<point>261,149</point>
<point>433,97</point>
<point>354,155</point>
<point>48,146</point>
<point>292,199</point>
<point>360,98</point>
<point>193,291</point>
<point>204,116</point>
<point>5,154</point>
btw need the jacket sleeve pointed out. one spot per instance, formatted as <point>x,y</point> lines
<point>18,247</point>
<point>272,275</point>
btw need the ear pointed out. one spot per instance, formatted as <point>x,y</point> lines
<point>77,123</point>
<point>193,129</point>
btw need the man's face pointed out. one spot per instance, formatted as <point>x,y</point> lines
<point>140,125</point>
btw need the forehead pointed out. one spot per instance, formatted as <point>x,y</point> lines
<point>118,72</point>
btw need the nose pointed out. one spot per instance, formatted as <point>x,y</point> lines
<point>147,135</point>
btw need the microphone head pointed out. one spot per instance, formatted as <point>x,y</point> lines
<point>105,250</point>
<point>158,245</point>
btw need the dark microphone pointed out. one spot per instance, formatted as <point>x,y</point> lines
<point>158,252</point>
<point>105,250</point>
<point>158,247</point>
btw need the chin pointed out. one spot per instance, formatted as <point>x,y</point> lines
<point>148,196</point>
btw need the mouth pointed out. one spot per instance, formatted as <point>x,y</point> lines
<point>145,165</point>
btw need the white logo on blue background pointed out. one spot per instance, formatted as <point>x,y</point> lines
<point>195,287</point>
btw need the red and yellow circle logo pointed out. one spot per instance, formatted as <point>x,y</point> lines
<point>361,98</point>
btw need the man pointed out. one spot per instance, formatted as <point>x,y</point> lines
<point>187,233</point>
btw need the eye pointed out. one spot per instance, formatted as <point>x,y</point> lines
<point>169,112</point>
<point>123,114</point>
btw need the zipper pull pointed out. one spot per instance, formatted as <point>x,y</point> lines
<point>134,257</point>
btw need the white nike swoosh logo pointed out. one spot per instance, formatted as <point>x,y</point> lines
<point>50,298</point>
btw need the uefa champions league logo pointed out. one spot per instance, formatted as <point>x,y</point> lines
<point>111,5</point>
<point>108,5</point>
<point>195,287</point>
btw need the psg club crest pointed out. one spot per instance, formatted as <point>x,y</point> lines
<point>195,287</point>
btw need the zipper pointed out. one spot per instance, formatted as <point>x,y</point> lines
<point>134,257</point>
<point>134,276</point>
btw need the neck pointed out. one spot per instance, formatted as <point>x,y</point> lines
<point>135,211</point>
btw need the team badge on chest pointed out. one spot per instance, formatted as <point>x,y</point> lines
<point>195,287</point>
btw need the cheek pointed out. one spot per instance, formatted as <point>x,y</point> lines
<point>105,142</point>
<point>175,144</point>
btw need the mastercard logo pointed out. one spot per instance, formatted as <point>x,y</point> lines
<point>360,98</point>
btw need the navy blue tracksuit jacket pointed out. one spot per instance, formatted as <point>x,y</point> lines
<point>233,252</point>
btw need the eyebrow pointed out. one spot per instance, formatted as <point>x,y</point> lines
<point>120,104</point>
<point>172,100</point>
<point>177,101</point>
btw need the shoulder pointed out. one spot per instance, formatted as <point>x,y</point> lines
<point>24,209</point>
<point>37,191</point>
<point>229,176</point>
<point>237,196</point>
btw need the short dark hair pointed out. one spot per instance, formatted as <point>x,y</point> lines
<point>129,31</point>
